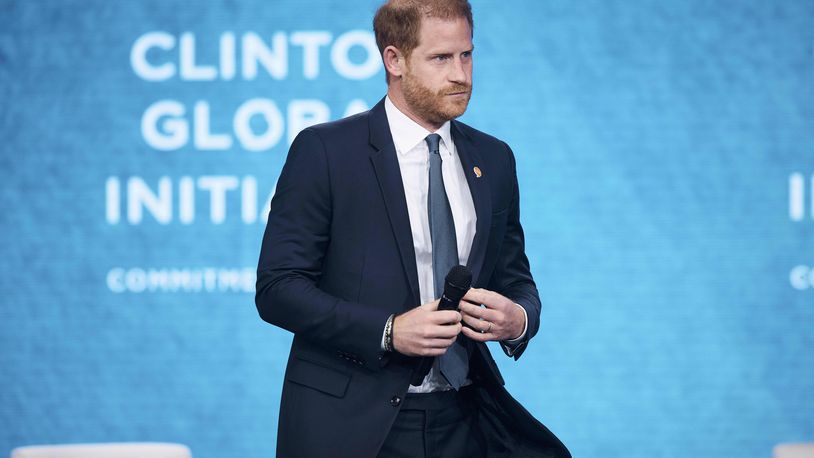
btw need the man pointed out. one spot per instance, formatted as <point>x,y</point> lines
<point>369,214</point>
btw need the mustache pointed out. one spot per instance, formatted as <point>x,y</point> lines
<point>457,88</point>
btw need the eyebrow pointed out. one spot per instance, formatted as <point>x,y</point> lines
<point>441,53</point>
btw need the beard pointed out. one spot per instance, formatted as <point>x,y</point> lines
<point>435,107</point>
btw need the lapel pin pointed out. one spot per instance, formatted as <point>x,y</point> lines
<point>477,171</point>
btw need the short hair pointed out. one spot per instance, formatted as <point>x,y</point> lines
<point>398,22</point>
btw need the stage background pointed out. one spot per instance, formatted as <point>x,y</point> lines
<point>664,153</point>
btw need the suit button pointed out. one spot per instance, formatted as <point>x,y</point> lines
<point>395,401</point>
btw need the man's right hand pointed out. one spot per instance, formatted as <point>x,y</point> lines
<point>425,330</point>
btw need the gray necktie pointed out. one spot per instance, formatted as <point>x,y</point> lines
<point>454,364</point>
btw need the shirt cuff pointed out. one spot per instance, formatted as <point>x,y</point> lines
<point>525,327</point>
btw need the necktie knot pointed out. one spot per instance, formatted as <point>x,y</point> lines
<point>433,142</point>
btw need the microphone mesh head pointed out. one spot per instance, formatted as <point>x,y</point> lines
<point>457,282</point>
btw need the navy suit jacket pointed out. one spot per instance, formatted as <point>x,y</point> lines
<point>337,260</point>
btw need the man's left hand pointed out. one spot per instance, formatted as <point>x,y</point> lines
<point>498,319</point>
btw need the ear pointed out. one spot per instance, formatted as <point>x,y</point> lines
<point>394,61</point>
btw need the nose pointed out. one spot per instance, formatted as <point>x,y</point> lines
<point>460,71</point>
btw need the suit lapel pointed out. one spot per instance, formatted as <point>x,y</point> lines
<point>481,197</point>
<point>385,164</point>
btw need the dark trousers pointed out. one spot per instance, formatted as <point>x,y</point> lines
<point>436,425</point>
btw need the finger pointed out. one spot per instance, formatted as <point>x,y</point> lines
<point>478,336</point>
<point>464,302</point>
<point>444,331</point>
<point>471,326</point>
<point>478,295</point>
<point>468,307</point>
<point>488,327</point>
<point>433,306</point>
<point>489,299</point>
<point>445,317</point>
<point>474,323</point>
<point>477,332</point>
<point>481,312</point>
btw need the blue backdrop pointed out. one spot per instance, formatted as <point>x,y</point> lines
<point>665,161</point>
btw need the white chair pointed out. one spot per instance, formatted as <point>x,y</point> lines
<point>794,451</point>
<point>117,450</point>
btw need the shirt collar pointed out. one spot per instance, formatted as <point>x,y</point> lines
<point>407,134</point>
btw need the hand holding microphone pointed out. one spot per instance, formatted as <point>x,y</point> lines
<point>442,327</point>
<point>429,329</point>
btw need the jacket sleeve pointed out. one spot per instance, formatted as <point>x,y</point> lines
<point>512,276</point>
<point>294,246</point>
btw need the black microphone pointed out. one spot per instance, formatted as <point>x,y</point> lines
<point>456,284</point>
